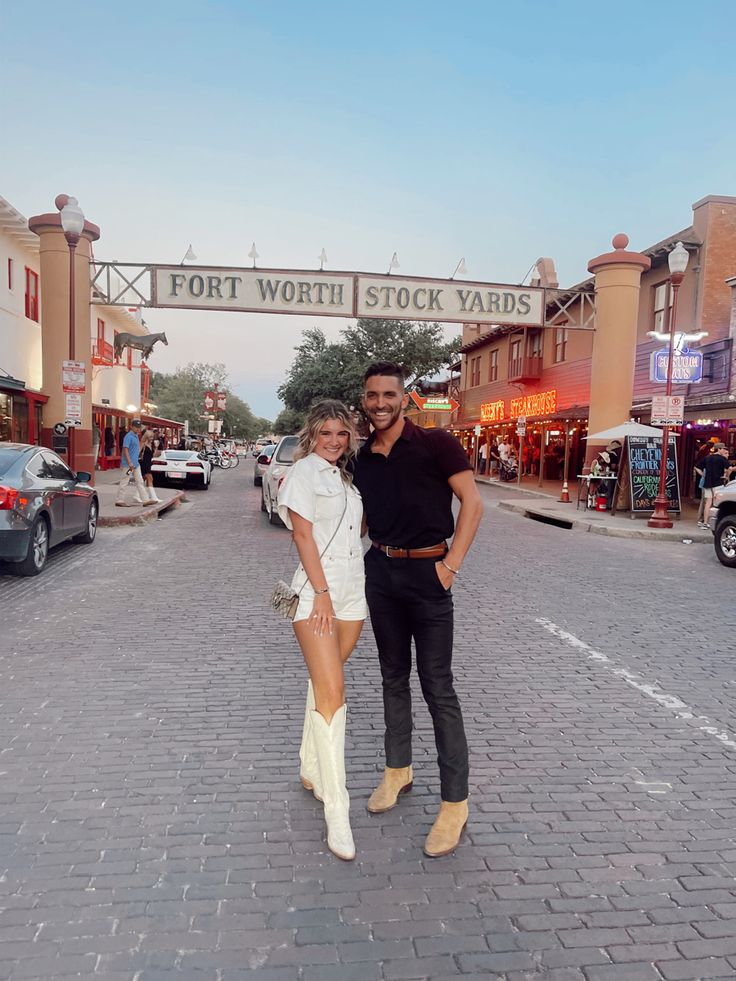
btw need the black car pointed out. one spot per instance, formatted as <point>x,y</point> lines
<point>42,503</point>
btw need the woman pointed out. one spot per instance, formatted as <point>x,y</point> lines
<point>147,454</point>
<point>318,502</point>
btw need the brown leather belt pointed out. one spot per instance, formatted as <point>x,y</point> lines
<point>431,552</point>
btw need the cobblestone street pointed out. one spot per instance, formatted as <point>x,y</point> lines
<point>153,825</point>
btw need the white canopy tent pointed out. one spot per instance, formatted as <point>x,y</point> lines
<point>622,430</point>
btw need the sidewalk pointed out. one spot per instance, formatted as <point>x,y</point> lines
<point>543,504</point>
<point>106,485</point>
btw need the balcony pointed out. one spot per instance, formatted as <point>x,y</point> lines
<point>525,369</point>
<point>102,352</point>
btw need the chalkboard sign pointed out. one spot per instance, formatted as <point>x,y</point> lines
<point>643,456</point>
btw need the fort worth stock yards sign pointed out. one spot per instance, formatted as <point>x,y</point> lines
<point>344,295</point>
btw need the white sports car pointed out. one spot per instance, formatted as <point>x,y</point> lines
<point>181,467</point>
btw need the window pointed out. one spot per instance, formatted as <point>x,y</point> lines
<point>117,356</point>
<point>493,365</point>
<point>100,333</point>
<point>474,372</point>
<point>31,294</point>
<point>130,359</point>
<point>36,467</point>
<point>56,469</point>
<point>661,293</point>
<point>10,274</point>
<point>535,344</point>
<point>560,344</point>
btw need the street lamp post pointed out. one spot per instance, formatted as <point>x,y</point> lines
<point>72,223</point>
<point>677,260</point>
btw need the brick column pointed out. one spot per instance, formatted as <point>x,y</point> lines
<point>617,282</point>
<point>54,255</point>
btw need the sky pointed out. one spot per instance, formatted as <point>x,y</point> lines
<point>498,132</point>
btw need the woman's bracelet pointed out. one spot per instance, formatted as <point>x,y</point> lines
<point>318,592</point>
<point>455,572</point>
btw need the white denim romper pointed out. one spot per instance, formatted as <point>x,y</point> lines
<point>314,488</point>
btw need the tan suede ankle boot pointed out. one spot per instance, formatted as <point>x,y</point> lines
<point>396,780</point>
<point>447,829</point>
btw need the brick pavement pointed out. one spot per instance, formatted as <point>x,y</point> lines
<point>153,825</point>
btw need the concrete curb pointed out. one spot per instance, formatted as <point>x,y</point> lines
<point>550,514</point>
<point>515,487</point>
<point>141,516</point>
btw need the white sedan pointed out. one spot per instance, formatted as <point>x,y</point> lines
<point>181,467</point>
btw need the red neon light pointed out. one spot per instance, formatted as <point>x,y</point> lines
<point>493,411</point>
<point>540,404</point>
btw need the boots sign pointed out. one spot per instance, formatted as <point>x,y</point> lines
<point>344,295</point>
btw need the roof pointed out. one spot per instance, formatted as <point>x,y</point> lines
<point>656,252</point>
<point>15,225</point>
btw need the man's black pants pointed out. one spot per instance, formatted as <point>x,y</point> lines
<point>407,600</point>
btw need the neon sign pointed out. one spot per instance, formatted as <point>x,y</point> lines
<point>493,411</point>
<point>534,405</point>
<point>541,404</point>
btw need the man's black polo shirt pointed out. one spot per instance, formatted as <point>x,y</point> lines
<point>406,497</point>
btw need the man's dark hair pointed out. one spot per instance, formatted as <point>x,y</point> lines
<point>390,369</point>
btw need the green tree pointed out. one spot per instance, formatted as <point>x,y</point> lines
<point>181,396</point>
<point>264,427</point>
<point>334,370</point>
<point>288,421</point>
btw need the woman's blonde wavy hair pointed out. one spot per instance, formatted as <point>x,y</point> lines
<point>316,418</point>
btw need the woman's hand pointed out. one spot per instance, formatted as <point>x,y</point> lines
<point>322,616</point>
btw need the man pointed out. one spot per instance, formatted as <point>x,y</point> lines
<point>407,477</point>
<point>715,467</point>
<point>483,457</point>
<point>504,449</point>
<point>159,441</point>
<point>493,457</point>
<point>130,463</point>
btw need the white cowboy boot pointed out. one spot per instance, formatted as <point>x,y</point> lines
<point>329,741</point>
<point>309,769</point>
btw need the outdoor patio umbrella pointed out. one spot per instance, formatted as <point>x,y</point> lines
<point>624,429</point>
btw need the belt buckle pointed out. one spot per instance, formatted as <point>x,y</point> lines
<point>390,550</point>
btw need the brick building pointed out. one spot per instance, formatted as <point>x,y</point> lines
<point>544,373</point>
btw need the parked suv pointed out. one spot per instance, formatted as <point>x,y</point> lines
<point>722,522</point>
<point>274,474</point>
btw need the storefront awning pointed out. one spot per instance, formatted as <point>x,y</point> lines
<point>11,384</point>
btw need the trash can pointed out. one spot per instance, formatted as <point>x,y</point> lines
<point>601,502</point>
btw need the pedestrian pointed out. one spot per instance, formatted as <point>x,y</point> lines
<point>407,477</point>
<point>96,439</point>
<point>320,504</point>
<point>109,437</point>
<point>129,462</point>
<point>493,457</point>
<point>698,473</point>
<point>715,469</point>
<point>148,452</point>
<point>483,456</point>
<point>159,441</point>
<point>504,449</point>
